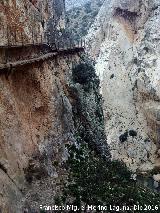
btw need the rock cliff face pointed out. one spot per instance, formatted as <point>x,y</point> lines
<point>80,18</point>
<point>36,123</point>
<point>73,3</point>
<point>124,40</point>
<point>43,108</point>
<point>30,98</point>
<point>56,22</point>
<point>30,21</point>
<point>22,20</point>
<point>40,108</point>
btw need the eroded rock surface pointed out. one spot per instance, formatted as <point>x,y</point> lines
<point>36,123</point>
<point>36,114</point>
<point>124,40</point>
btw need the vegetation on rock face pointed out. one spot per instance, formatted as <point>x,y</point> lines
<point>132,133</point>
<point>123,137</point>
<point>79,19</point>
<point>87,108</point>
<point>83,73</point>
<point>94,179</point>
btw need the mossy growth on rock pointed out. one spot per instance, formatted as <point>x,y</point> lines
<point>36,169</point>
<point>155,171</point>
<point>84,73</point>
<point>123,137</point>
<point>132,133</point>
<point>94,180</point>
<point>87,107</point>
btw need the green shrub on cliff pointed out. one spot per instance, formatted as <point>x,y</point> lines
<point>95,181</point>
<point>83,73</point>
<point>87,108</point>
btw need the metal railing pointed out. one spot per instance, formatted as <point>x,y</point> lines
<point>9,64</point>
<point>12,38</point>
<point>14,41</point>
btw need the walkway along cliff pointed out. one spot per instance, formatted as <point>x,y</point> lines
<point>39,96</point>
<point>53,147</point>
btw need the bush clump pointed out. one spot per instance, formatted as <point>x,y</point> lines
<point>132,133</point>
<point>83,73</point>
<point>95,181</point>
<point>123,137</point>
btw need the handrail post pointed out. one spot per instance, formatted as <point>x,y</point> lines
<point>7,35</point>
<point>15,36</point>
<point>22,38</point>
<point>36,37</point>
<point>41,39</point>
<point>6,51</point>
<point>32,36</point>
<point>58,46</point>
<point>3,31</point>
<point>67,45</point>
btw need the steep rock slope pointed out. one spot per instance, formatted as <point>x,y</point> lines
<point>42,111</point>
<point>124,40</point>
<point>73,3</point>
<point>22,19</point>
<point>39,104</point>
<point>56,22</point>
<point>31,21</point>
<point>26,100</point>
<point>36,122</point>
<point>80,18</point>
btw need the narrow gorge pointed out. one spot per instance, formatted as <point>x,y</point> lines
<point>79,106</point>
<point>125,45</point>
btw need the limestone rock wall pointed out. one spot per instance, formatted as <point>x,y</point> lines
<point>124,41</point>
<point>36,123</point>
<point>30,21</point>
<point>35,111</point>
<point>23,21</point>
<point>56,22</point>
<point>44,107</point>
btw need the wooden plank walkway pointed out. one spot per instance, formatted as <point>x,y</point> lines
<point>64,45</point>
<point>22,45</point>
<point>44,57</point>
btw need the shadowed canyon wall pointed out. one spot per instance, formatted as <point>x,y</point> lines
<point>35,113</point>
<point>124,41</point>
<point>44,105</point>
